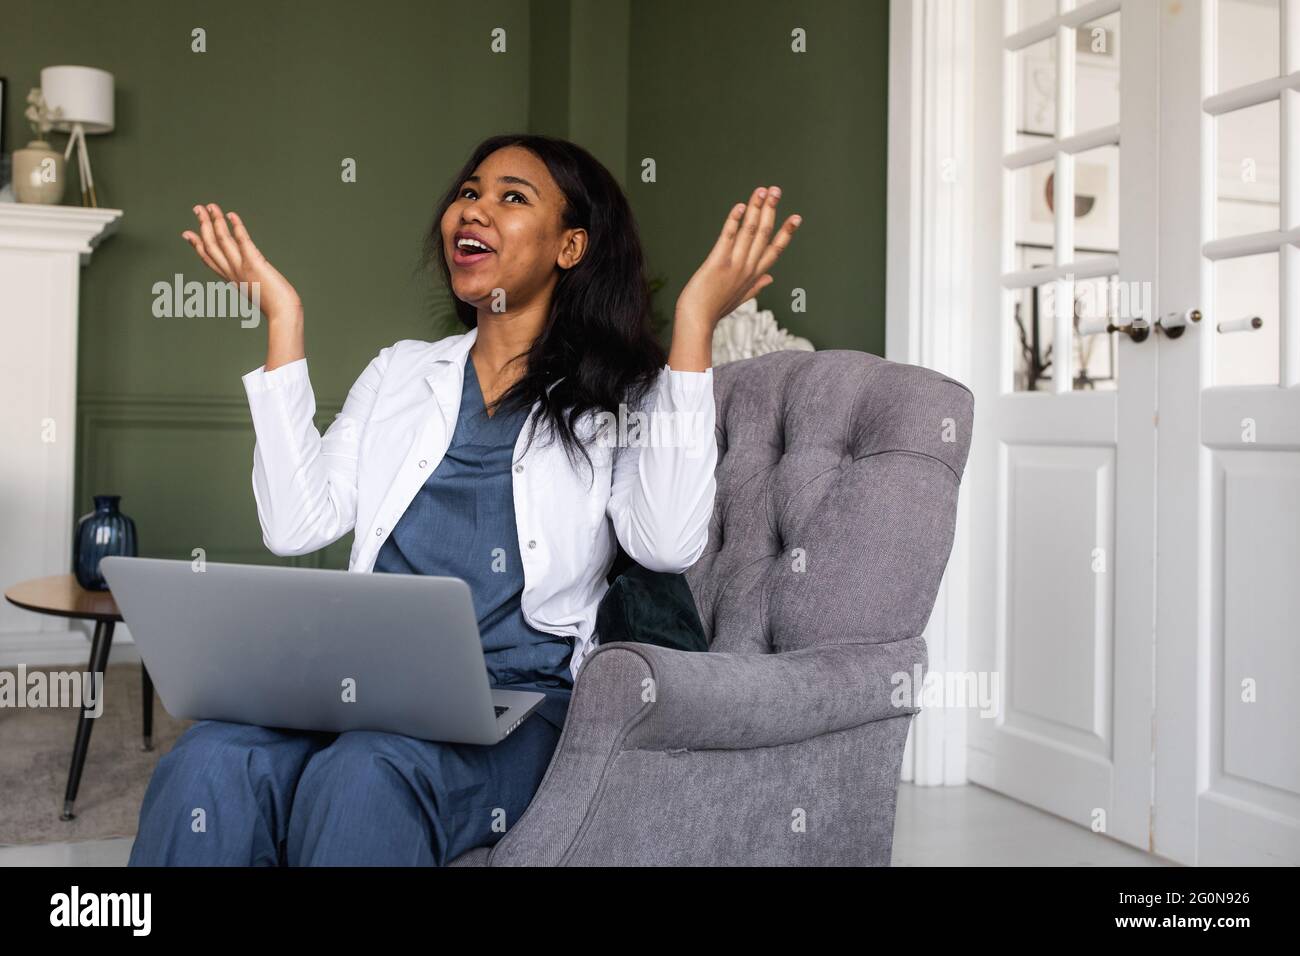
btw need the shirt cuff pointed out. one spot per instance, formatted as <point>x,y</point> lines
<point>688,387</point>
<point>259,380</point>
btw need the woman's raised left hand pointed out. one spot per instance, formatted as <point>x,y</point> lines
<point>736,268</point>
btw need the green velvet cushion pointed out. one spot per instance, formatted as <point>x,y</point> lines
<point>650,607</point>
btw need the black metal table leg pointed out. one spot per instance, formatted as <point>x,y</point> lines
<point>99,649</point>
<point>146,685</point>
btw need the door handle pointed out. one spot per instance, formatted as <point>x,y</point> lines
<point>1137,330</point>
<point>1248,324</point>
<point>1174,324</point>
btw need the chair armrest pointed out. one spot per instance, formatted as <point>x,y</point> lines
<point>602,709</point>
<point>632,697</point>
<point>719,701</point>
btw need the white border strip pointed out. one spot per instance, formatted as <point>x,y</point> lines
<point>1091,268</point>
<point>1071,145</point>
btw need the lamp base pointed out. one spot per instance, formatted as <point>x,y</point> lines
<point>78,139</point>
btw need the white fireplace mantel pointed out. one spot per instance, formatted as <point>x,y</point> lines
<point>42,251</point>
<point>29,227</point>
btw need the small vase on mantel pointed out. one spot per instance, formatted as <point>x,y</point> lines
<point>39,174</point>
<point>100,533</point>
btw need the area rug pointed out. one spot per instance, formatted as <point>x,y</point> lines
<point>36,752</point>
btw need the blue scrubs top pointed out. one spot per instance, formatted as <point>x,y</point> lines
<point>462,524</point>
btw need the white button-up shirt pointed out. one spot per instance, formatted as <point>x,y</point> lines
<point>652,488</point>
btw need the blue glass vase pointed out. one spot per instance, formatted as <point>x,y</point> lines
<point>103,532</point>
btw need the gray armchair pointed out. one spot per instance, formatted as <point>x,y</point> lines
<point>838,475</point>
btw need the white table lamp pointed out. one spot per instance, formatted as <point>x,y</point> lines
<point>83,99</point>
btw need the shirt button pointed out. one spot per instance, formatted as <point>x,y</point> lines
<point>532,544</point>
<point>379,532</point>
<point>518,468</point>
<point>423,462</point>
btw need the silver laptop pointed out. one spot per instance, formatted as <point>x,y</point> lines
<point>315,650</point>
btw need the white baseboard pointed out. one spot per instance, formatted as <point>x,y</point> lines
<point>42,648</point>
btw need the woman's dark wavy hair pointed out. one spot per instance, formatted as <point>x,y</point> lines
<point>597,343</point>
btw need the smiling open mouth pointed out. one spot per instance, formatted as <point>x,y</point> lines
<point>470,252</point>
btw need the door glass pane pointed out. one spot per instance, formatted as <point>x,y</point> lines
<point>1246,181</point>
<point>1035,93</point>
<point>1246,42</point>
<point>1034,224</point>
<point>1030,338</point>
<point>1245,321</point>
<point>1096,82</point>
<point>1096,202</point>
<point>1098,303</point>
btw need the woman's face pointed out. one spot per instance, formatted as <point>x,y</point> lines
<point>513,206</point>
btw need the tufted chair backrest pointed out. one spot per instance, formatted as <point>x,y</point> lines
<point>837,474</point>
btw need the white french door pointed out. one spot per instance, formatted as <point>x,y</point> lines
<point>1227,785</point>
<point>1135,574</point>
<point>1063,576</point>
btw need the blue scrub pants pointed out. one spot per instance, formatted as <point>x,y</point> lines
<point>239,795</point>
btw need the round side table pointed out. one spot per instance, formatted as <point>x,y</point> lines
<point>62,596</point>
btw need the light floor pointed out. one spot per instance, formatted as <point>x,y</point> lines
<point>935,826</point>
<point>971,826</point>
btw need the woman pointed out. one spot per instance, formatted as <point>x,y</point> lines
<point>487,456</point>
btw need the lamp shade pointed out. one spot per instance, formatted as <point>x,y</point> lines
<point>83,93</point>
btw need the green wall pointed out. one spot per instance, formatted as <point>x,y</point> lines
<point>722,105</point>
<point>261,122</point>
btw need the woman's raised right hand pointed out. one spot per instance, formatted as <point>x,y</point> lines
<point>230,253</point>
